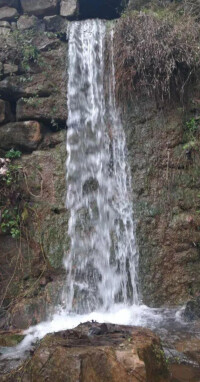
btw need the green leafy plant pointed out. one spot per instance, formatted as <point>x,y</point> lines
<point>27,50</point>
<point>192,125</point>
<point>13,154</point>
<point>32,101</point>
<point>11,222</point>
<point>190,131</point>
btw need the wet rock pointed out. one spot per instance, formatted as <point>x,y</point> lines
<point>25,22</point>
<point>119,354</point>
<point>5,112</point>
<point>90,185</point>
<point>8,14</point>
<point>39,7</point>
<point>22,135</point>
<point>28,313</point>
<point>68,8</point>
<point>35,309</point>
<point>192,309</point>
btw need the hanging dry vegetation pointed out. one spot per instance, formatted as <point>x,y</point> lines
<point>155,55</point>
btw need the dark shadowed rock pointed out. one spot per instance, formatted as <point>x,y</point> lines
<point>39,7</point>
<point>9,3</point>
<point>56,24</point>
<point>5,112</point>
<point>23,135</point>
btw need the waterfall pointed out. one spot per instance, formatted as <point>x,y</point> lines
<point>101,265</point>
<point>102,262</point>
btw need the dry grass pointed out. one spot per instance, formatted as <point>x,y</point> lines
<point>155,55</point>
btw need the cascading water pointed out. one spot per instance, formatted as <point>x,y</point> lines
<point>102,262</point>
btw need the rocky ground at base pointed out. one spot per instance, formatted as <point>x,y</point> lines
<point>95,352</point>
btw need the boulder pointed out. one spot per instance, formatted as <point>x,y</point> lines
<point>68,8</point>
<point>192,309</point>
<point>95,352</point>
<point>26,86</point>
<point>5,24</point>
<point>39,7</point>
<point>9,3</point>
<point>8,13</point>
<point>5,112</point>
<point>26,22</point>
<point>45,109</point>
<point>20,135</point>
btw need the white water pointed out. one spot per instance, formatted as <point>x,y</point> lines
<point>102,264</point>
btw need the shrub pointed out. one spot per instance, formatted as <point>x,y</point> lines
<point>155,54</point>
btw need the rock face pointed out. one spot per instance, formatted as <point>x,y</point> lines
<point>165,181</point>
<point>40,275</point>
<point>98,353</point>
<point>39,7</point>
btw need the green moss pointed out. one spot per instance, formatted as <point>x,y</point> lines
<point>10,339</point>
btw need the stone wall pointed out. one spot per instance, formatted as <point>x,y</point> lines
<point>11,9</point>
<point>33,113</point>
